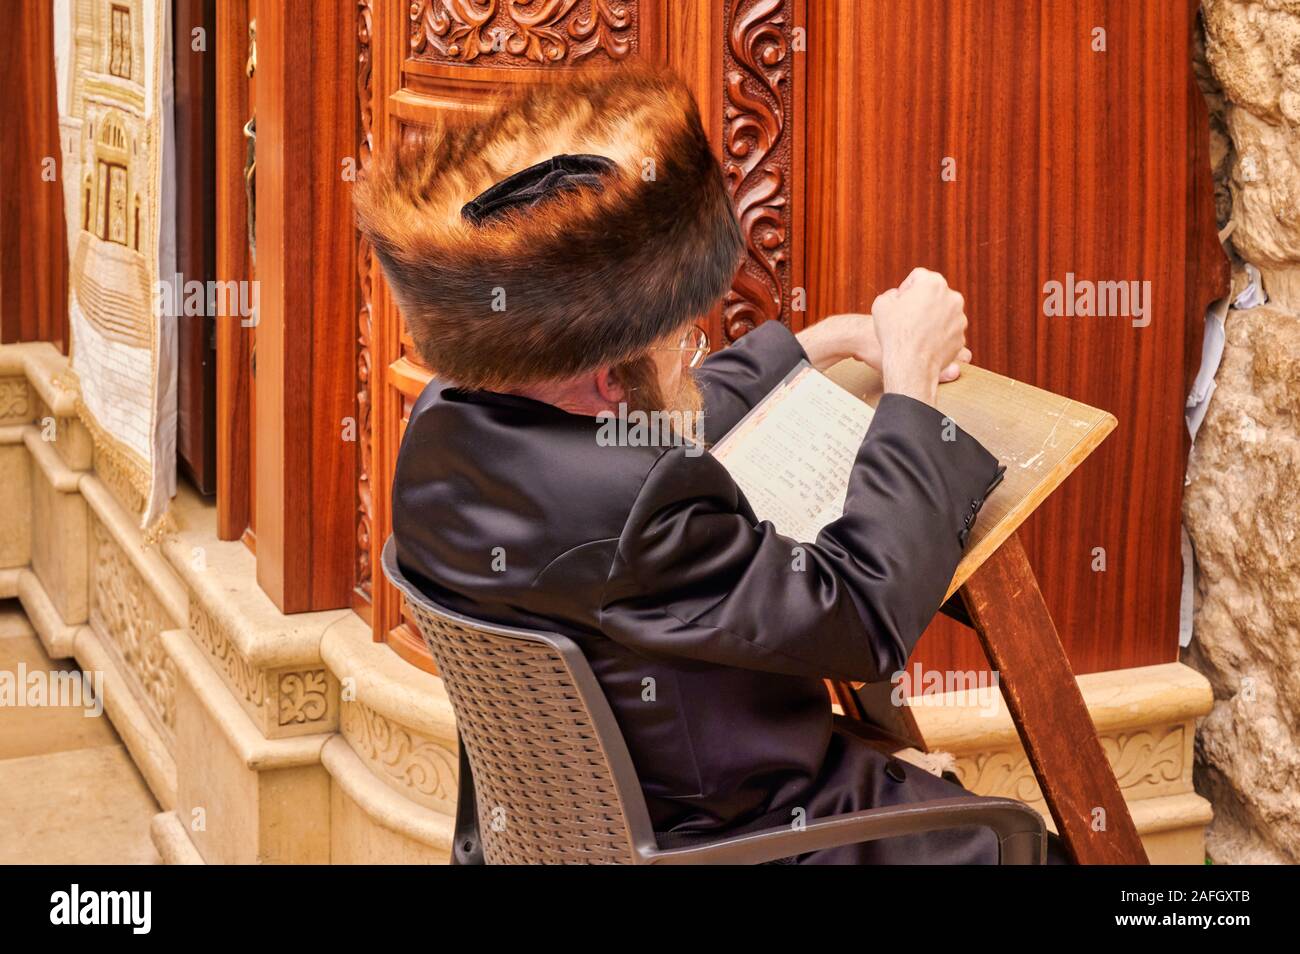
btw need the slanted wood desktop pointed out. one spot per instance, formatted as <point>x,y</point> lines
<point>1041,438</point>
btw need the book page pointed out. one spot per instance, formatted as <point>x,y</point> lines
<point>793,454</point>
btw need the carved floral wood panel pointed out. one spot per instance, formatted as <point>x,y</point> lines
<point>364,586</point>
<point>523,33</point>
<point>758,64</point>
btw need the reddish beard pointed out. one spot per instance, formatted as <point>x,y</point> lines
<point>645,393</point>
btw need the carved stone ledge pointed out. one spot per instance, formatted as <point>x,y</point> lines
<point>370,823</point>
<point>269,662</point>
<point>15,400</point>
<point>283,702</point>
<point>1146,720</point>
<point>247,682</point>
<point>422,769</point>
<point>1147,763</point>
<point>242,798</point>
<point>129,618</point>
<point>66,433</point>
<point>46,372</point>
<point>54,408</point>
<point>396,718</point>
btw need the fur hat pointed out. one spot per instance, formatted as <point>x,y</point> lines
<point>621,234</point>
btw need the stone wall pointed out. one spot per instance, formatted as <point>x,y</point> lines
<point>1242,504</point>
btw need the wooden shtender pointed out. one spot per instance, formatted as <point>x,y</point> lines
<point>1040,437</point>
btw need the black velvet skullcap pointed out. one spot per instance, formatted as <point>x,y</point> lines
<point>529,186</point>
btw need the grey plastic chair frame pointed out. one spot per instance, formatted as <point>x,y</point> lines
<point>628,836</point>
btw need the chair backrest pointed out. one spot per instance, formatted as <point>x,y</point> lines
<point>552,775</point>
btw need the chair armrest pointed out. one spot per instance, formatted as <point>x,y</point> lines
<point>1021,834</point>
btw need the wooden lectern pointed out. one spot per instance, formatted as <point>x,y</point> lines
<point>1040,437</point>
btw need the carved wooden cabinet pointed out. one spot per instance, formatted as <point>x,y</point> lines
<point>989,139</point>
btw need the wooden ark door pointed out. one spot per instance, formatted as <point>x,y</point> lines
<point>430,55</point>
<point>1009,144</point>
<point>833,122</point>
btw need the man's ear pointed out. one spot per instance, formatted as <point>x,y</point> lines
<point>609,386</point>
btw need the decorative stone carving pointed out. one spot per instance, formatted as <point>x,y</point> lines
<point>281,702</point>
<point>414,765</point>
<point>1147,763</point>
<point>1004,772</point>
<point>15,401</point>
<point>304,696</point>
<point>758,157</point>
<point>129,618</point>
<point>247,681</point>
<point>523,33</point>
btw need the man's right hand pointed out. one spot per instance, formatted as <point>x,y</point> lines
<point>921,326</point>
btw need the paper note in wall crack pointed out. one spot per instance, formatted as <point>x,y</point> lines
<point>793,453</point>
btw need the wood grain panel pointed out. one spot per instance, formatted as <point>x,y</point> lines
<point>195,120</point>
<point>1066,160</point>
<point>1113,206</point>
<point>388,50</point>
<point>306,339</point>
<point>33,234</point>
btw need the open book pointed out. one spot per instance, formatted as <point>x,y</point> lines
<point>792,454</point>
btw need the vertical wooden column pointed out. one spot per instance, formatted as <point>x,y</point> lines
<point>33,236</point>
<point>305,416</point>
<point>195,121</point>
<point>387,44</point>
<point>234,339</point>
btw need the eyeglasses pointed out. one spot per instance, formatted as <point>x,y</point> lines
<point>694,347</point>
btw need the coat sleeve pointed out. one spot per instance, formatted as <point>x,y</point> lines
<point>735,379</point>
<point>695,576</point>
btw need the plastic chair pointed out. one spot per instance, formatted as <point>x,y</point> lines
<point>545,775</point>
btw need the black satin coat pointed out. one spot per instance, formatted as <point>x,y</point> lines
<point>709,643</point>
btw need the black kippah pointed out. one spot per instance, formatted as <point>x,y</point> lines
<point>526,188</point>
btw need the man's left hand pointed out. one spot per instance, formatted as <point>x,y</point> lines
<point>850,335</point>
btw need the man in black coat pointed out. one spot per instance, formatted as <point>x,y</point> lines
<point>551,283</point>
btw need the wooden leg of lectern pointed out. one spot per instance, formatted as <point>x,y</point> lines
<point>1008,612</point>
